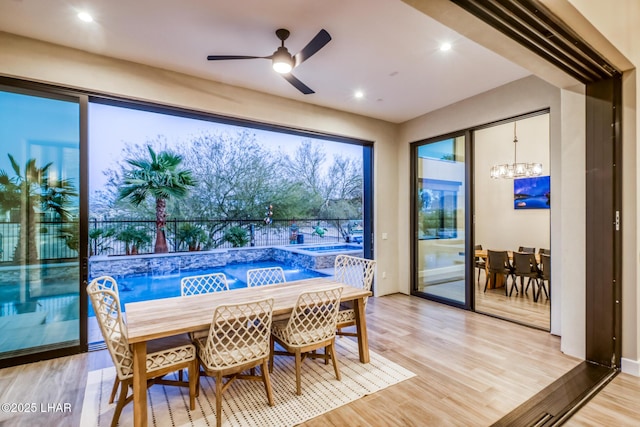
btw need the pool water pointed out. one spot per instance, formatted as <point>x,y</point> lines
<point>332,248</point>
<point>147,286</point>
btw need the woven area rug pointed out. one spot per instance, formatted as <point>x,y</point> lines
<point>245,402</point>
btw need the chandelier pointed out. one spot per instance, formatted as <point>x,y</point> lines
<point>515,169</point>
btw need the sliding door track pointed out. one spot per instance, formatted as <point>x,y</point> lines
<point>557,402</point>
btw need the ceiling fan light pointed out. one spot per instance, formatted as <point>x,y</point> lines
<point>282,61</point>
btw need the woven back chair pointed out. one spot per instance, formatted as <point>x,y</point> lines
<point>164,355</point>
<point>312,325</point>
<point>203,284</point>
<point>527,249</point>
<point>238,340</point>
<point>265,276</point>
<point>356,272</point>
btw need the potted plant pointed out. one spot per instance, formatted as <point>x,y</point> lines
<point>133,238</point>
<point>192,235</point>
<point>237,236</point>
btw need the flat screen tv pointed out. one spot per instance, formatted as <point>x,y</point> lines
<point>532,193</point>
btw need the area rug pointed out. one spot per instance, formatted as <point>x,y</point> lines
<point>245,402</point>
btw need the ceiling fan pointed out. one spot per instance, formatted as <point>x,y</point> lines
<point>283,61</point>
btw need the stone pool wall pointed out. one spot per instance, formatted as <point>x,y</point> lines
<point>175,262</point>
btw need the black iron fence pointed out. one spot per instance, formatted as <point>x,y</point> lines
<point>59,241</point>
<point>116,237</point>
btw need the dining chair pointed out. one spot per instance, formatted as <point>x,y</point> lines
<point>164,355</point>
<point>527,249</point>
<point>265,276</point>
<point>312,326</point>
<point>356,272</point>
<point>238,341</point>
<point>545,275</point>
<point>498,264</point>
<point>544,251</point>
<point>203,284</point>
<point>479,262</point>
<point>525,265</point>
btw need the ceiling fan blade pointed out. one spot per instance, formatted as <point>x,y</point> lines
<point>317,43</point>
<point>223,57</point>
<point>298,84</point>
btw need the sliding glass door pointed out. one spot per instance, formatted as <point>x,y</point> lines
<point>39,224</point>
<point>438,219</point>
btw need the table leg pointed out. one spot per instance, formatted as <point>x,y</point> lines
<point>140,384</point>
<point>361,327</point>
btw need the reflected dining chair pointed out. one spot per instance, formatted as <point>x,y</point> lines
<point>265,276</point>
<point>479,262</point>
<point>525,265</point>
<point>499,265</point>
<point>356,272</point>
<point>527,249</point>
<point>164,355</point>
<point>312,326</point>
<point>238,341</point>
<point>542,251</point>
<point>203,284</point>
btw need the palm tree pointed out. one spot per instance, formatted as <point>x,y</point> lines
<point>28,192</point>
<point>160,178</point>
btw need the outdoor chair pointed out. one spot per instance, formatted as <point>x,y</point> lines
<point>265,276</point>
<point>203,284</point>
<point>312,326</point>
<point>356,272</point>
<point>238,341</point>
<point>164,355</point>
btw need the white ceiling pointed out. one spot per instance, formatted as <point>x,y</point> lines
<point>385,48</point>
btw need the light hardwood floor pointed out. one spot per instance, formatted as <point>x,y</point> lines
<point>471,370</point>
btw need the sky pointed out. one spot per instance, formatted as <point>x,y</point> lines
<point>110,128</point>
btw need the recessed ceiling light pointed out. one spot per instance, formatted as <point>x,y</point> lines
<point>445,47</point>
<point>358,94</point>
<point>84,16</point>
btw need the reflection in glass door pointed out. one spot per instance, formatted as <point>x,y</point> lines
<point>439,219</point>
<point>39,228</point>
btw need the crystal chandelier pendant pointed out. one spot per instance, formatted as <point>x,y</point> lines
<point>515,169</point>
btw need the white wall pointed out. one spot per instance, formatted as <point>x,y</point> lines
<point>498,225</point>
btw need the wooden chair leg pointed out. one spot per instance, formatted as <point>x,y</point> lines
<point>334,359</point>
<point>298,363</point>
<point>114,390</point>
<point>219,400</point>
<point>194,370</point>
<point>122,397</point>
<point>266,379</point>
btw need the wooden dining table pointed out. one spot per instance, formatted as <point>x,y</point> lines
<point>498,280</point>
<point>148,320</point>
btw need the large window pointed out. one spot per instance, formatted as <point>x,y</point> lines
<point>39,223</point>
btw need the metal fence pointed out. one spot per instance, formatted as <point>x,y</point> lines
<point>205,234</point>
<point>119,237</point>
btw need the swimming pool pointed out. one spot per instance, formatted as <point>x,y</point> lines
<point>330,248</point>
<point>143,287</point>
